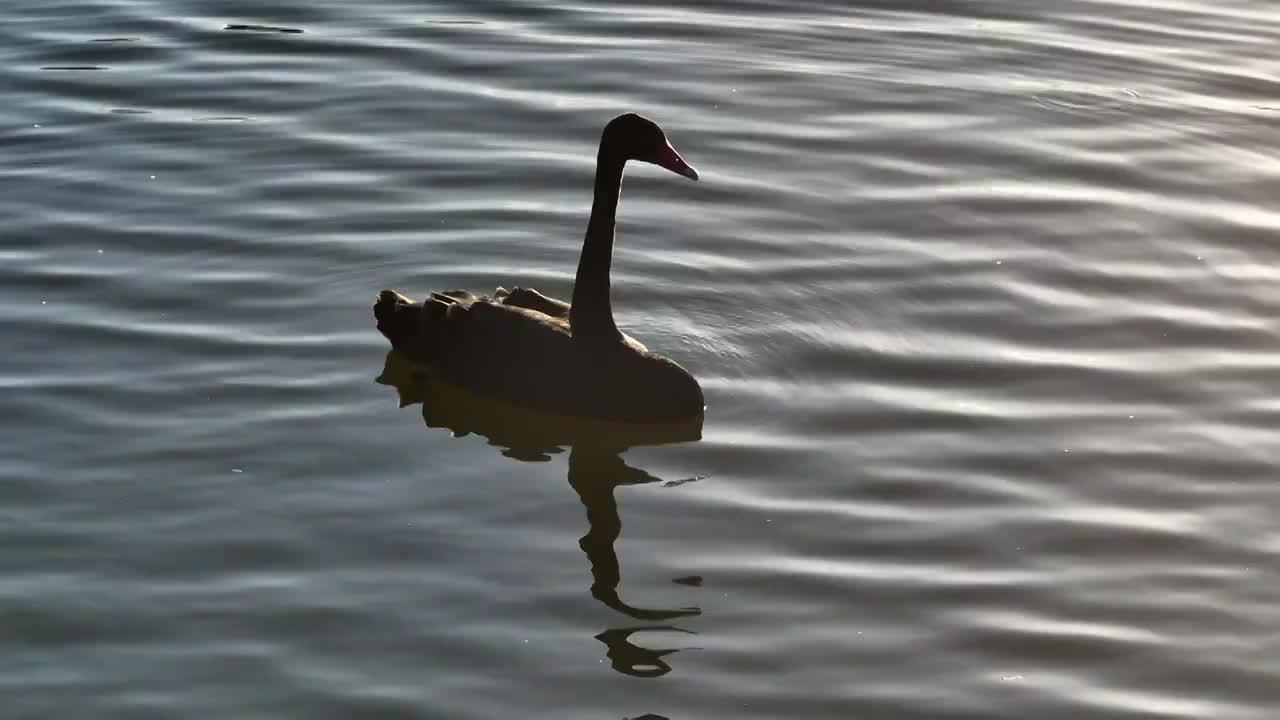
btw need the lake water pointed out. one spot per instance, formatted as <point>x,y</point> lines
<point>984,296</point>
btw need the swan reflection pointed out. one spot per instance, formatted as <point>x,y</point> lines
<point>631,659</point>
<point>596,469</point>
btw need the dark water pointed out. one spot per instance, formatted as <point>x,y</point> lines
<point>983,296</point>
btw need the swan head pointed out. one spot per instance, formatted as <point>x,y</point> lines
<point>634,137</point>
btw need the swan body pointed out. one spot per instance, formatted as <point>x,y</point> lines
<point>524,347</point>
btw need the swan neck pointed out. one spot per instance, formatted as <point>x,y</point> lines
<point>590,313</point>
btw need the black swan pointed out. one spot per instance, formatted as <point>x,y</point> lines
<point>523,347</point>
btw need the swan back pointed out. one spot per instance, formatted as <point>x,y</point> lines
<point>528,357</point>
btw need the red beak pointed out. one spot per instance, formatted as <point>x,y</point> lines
<point>671,160</point>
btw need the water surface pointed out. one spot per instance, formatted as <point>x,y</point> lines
<point>982,296</point>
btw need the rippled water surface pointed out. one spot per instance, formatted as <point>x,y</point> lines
<point>983,296</point>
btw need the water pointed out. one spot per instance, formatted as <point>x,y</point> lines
<point>982,295</point>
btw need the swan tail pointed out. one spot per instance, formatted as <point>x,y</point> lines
<point>392,311</point>
<point>407,324</point>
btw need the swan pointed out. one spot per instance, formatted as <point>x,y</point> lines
<point>566,358</point>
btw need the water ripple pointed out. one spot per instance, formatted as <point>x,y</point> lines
<point>981,296</point>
